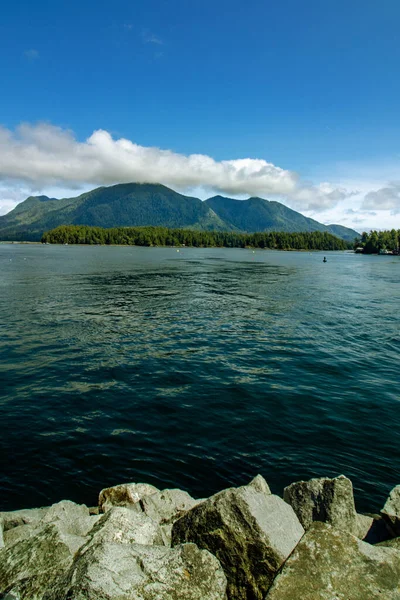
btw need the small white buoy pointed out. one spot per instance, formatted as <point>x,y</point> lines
<point>177,250</point>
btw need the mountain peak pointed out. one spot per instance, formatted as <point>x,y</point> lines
<point>141,204</point>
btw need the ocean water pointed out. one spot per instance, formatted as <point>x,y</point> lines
<point>195,369</point>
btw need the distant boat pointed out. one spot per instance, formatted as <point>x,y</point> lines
<point>324,259</point>
<point>384,251</point>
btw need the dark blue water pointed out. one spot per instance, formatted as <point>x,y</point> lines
<point>195,369</point>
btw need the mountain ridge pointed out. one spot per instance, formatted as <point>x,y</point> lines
<point>138,204</point>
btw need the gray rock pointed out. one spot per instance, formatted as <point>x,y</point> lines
<point>16,518</point>
<point>125,494</point>
<point>166,507</point>
<point>391,510</point>
<point>18,534</point>
<point>124,526</point>
<point>374,529</point>
<point>33,565</point>
<point>393,543</point>
<point>249,530</point>
<point>364,525</point>
<point>78,528</point>
<point>109,571</point>
<point>260,484</point>
<point>329,564</point>
<point>327,500</point>
<point>72,519</point>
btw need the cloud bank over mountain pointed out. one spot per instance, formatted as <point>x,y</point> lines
<point>41,157</point>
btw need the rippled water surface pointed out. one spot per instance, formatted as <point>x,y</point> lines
<point>195,369</point>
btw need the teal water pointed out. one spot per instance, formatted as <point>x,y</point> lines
<point>195,369</point>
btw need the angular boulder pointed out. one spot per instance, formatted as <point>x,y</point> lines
<point>166,507</point>
<point>373,529</point>
<point>125,494</point>
<point>391,510</point>
<point>327,500</point>
<point>393,543</point>
<point>32,566</point>
<point>71,519</point>
<point>27,516</point>
<point>110,571</point>
<point>125,526</point>
<point>249,530</point>
<point>330,564</point>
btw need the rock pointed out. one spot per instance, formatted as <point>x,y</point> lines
<point>72,519</point>
<point>391,510</point>
<point>327,500</point>
<point>110,571</point>
<point>364,524</point>
<point>125,494</point>
<point>18,534</point>
<point>75,518</point>
<point>373,529</point>
<point>33,565</point>
<point>393,543</point>
<point>249,530</point>
<point>260,484</point>
<point>166,507</point>
<point>79,528</point>
<point>125,526</point>
<point>330,564</point>
<point>16,518</point>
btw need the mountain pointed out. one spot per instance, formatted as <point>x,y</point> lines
<point>256,214</point>
<point>343,232</point>
<point>135,204</point>
<point>118,205</point>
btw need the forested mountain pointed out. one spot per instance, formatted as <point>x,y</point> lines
<point>256,214</point>
<point>134,204</point>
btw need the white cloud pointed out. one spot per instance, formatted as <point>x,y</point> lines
<point>43,155</point>
<point>385,198</point>
<point>319,197</point>
<point>48,155</point>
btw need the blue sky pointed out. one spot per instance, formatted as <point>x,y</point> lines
<point>295,101</point>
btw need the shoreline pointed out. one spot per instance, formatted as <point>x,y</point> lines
<point>240,543</point>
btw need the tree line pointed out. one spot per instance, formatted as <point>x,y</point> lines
<point>162,236</point>
<point>375,241</point>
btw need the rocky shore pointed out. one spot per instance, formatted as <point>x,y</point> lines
<point>243,543</point>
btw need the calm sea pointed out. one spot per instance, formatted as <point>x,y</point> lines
<point>195,369</point>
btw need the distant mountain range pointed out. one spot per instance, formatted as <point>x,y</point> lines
<point>135,204</point>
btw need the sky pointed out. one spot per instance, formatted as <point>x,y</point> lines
<point>290,101</point>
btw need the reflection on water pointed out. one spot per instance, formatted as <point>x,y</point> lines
<point>195,370</point>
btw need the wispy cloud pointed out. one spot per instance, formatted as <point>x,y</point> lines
<point>150,38</point>
<point>31,54</point>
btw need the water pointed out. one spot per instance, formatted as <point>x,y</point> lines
<point>195,369</point>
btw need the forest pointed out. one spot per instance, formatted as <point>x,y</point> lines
<point>376,241</point>
<point>162,236</point>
